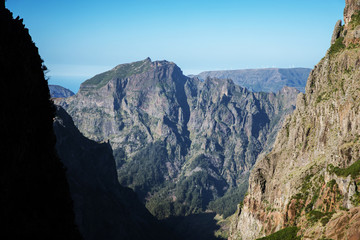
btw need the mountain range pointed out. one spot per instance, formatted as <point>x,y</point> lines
<point>143,142</point>
<point>183,145</point>
<point>263,80</point>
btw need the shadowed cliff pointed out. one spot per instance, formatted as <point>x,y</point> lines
<point>104,209</point>
<point>34,194</point>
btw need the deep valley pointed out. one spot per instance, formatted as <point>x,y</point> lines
<point>143,151</point>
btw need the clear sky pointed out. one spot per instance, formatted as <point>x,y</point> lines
<point>78,39</point>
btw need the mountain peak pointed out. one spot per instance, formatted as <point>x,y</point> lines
<point>123,71</point>
<point>120,71</point>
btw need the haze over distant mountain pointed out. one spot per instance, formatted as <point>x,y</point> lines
<point>263,80</point>
<point>180,143</point>
<point>57,91</point>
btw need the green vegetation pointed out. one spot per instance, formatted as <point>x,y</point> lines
<point>337,46</point>
<point>348,71</point>
<point>331,183</point>
<point>146,172</point>
<point>353,170</point>
<point>287,127</point>
<point>307,183</point>
<point>221,234</point>
<point>311,187</point>
<point>353,45</point>
<point>310,206</point>
<point>190,195</point>
<point>355,20</point>
<point>121,71</point>
<point>288,233</point>
<point>303,195</point>
<point>192,192</point>
<point>322,97</point>
<point>326,218</point>
<point>227,204</point>
<point>355,199</point>
<point>314,216</point>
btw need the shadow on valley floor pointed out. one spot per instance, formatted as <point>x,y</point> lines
<point>194,227</point>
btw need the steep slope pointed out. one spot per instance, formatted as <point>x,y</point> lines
<point>311,178</point>
<point>178,142</point>
<point>34,194</point>
<point>263,80</point>
<point>104,209</point>
<point>57,91</point>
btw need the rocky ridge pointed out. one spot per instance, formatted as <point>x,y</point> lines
<point>178,142</point>
<point>263,80</point>
<point>310,179</point>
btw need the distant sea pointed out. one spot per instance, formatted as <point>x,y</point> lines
<point>69,82</point>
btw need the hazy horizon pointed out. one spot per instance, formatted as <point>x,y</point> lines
<point>78,40</point>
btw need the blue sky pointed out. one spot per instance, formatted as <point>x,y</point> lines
<point>78,39</point>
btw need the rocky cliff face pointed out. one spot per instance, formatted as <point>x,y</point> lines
<point>34,194</point>
<point>310,179</point>
<point>351,7</point>
<point>263,80</point>
<point>103,208</point>
<point>178,142</point>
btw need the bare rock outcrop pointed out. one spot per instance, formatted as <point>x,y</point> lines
<point>312,174</point>
<point>336,32</point>
<point>352,6</point>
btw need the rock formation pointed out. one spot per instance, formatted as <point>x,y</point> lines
<point>178,142</point>
<point>336,32</point>
<point>310,179</point>
<point>351,7</point>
